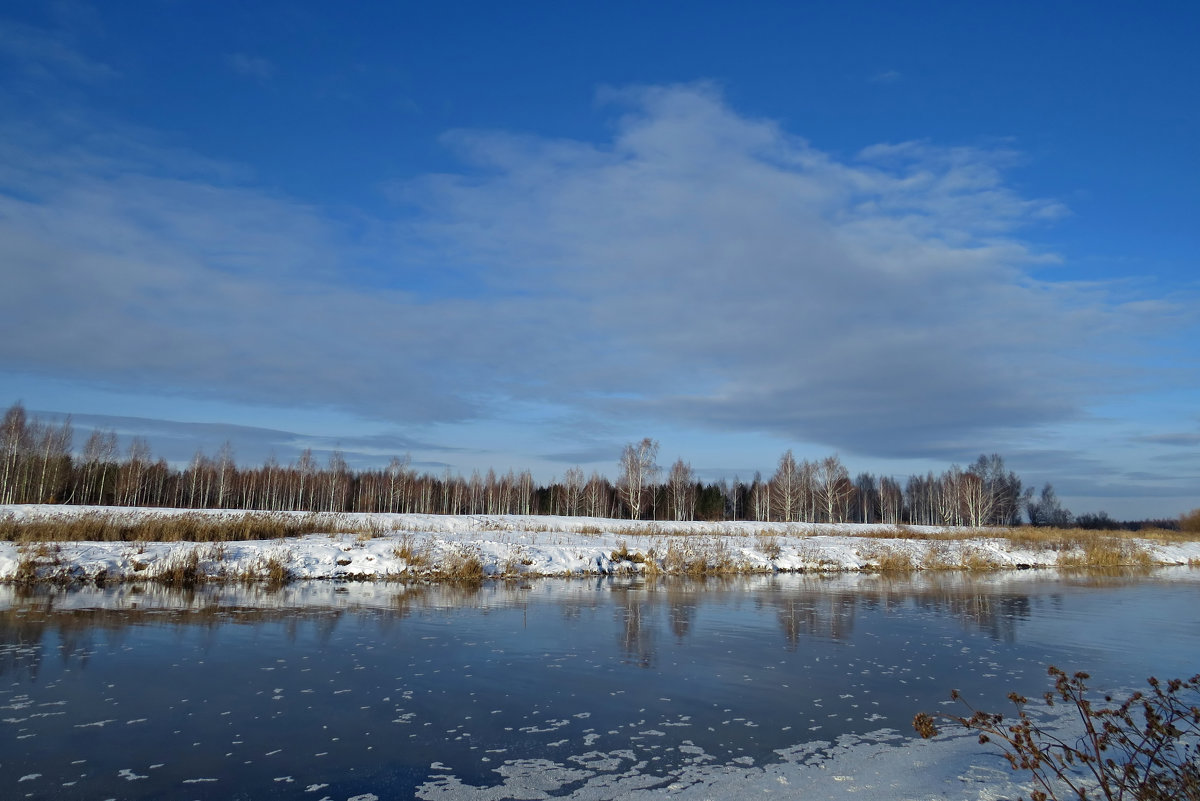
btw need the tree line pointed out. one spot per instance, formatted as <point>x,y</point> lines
<point>38,464</point>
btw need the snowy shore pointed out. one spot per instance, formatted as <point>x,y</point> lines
<point>410,546</point>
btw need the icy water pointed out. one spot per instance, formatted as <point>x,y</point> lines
<point>593,687</point>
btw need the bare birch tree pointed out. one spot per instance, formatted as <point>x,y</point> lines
<point>785,489</point>
<point>573,484</point>
<point>681,490</point>
<point>638,471</point>
<point>833,488</point>
<point>596,495</point>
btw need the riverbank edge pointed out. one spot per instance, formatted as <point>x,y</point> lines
<point>410,548</point>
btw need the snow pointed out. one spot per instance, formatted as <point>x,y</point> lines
<point>875,766</point>
<point>521,546</point>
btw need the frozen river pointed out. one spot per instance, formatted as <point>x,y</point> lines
<point>586,688</point>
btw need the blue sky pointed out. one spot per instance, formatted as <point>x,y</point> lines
<point>524,234</point>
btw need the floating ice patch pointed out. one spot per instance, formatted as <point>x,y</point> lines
<point>96,725</point>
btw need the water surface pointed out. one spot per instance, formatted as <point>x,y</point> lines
<point>326,690</point>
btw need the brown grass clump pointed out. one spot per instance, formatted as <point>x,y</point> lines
<point>1190,523</point>
<point>275,570</point>
<point>696,557</point>
<point>937,557</point>
<point>271,568</point>
<point>623,554</point>
<point>976,559</point>
<point>1105,552</point>
<point>181,570</point>
<point>944,557</point>
<point>39,562</point>
<point>412,554</point>
<point>27,568</point>
<point>768,543</point>
<point>883,559</point>
<point>463,564</point>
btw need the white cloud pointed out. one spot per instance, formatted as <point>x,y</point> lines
<point>735,276</point>
<point>701,267</point>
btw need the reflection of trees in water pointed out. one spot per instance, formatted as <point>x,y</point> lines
<point>76,624</point>
<point>681,610</point>
<point>633,610</point>
<point>637,638</point>
<point>681,615</point>
<point>832,614</point>
<point>831,618</point>
<point>29,630</point>
<point>993,614</point>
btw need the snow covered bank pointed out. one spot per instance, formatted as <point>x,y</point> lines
<point>401,546</point>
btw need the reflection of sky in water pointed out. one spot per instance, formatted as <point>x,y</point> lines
<point>361,688</point>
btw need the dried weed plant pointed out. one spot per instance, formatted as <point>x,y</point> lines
<point>1142,749</point>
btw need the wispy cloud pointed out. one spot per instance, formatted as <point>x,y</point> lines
<point>256,67</point>
<point>43,55</point>
<point>701,267</point>
<point>886,77</point>
<point>178,441</point>
<point>1179,439</point>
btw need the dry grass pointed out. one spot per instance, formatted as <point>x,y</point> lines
<point>517,562</point>
<point>413,555</point>
<point>274,569</point>
<point>1063,539</point>
<point>196,566</point>
<point>182,570</point>
<point>883,559</point>
<point>185,527</point>
<point>947,557</point>
<point>39,562</point>
<point>690,556</point>
<point>937,557</point>
<point>1104,553</point>
<point>768,543</point>
<point>976,559</point>
<point>903,532</point>
<point>623,554</point>
<point>697,557</point>
<point>462,564</point>
<point>27,568</point>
